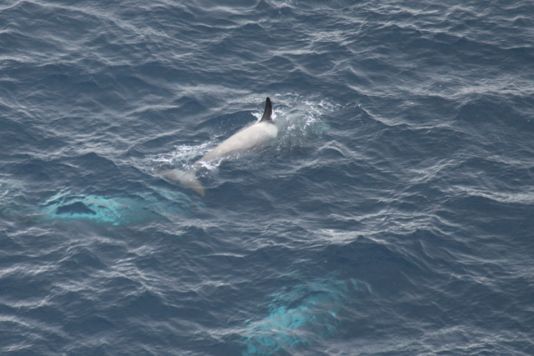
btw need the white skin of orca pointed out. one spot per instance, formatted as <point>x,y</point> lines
<point>244,140</point>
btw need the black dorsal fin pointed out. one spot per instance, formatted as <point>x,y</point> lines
<point>268,111</point>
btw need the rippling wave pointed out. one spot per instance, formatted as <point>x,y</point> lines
<point>393,213</point>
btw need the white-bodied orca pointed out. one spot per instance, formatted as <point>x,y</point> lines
<point>249,137</point>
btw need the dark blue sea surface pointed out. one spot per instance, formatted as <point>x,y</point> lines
<point>393,215</point>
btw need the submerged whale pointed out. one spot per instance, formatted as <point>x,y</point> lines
<point>301,315</point>
<point>116,210</point>
<point>249,137</point>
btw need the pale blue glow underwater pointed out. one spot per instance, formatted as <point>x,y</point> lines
<point>301,315</point>
<point>114,210</point>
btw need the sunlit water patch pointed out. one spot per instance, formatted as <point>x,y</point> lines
<point>12,198</point>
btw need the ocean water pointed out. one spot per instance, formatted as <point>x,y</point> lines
<point>393,215</point>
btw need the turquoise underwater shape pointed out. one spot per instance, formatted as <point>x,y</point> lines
<point>299,316</point>
<point>114,210</point>
<point>95,208</point>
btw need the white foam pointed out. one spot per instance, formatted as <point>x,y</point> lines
<point>181,156</point>
<point>300,119</point>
